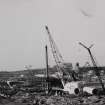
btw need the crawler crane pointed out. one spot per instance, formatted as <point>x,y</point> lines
<point>70,87</point>
<point>95,66</point>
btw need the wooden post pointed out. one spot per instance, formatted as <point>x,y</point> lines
<point>47,67</point>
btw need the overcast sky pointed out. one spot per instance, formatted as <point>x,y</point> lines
<point>23,35</point>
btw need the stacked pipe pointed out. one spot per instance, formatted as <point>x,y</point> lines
<point>92,90</point>
<point>72,88</point>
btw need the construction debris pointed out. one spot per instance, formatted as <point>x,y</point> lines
<point>31,99</point>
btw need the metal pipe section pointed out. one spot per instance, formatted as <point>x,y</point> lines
<point>91,90</point>
<point>72,88</point>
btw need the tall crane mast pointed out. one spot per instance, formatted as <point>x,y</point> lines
<point>47,67</point>
<point>94,64</point>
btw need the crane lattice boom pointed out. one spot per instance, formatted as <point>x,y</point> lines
<point>56,54</point>
<point>94,65</point>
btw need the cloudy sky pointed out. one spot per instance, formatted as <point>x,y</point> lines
<point>23,35</point>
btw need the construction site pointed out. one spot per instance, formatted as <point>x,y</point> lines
<point>58,85</point>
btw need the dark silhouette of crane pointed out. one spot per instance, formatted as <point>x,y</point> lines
<point>94,65</point>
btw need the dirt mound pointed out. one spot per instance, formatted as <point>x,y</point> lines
<point>35,99</point>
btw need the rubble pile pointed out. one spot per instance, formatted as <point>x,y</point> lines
<point>22,98</point>
<point>35,99</point>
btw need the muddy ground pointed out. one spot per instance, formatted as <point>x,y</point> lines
<point>35,99</point>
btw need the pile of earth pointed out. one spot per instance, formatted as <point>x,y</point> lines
<point>36,99</point>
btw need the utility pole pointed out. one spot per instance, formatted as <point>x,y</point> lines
<point>47,67</point>
<point>94,65</point>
